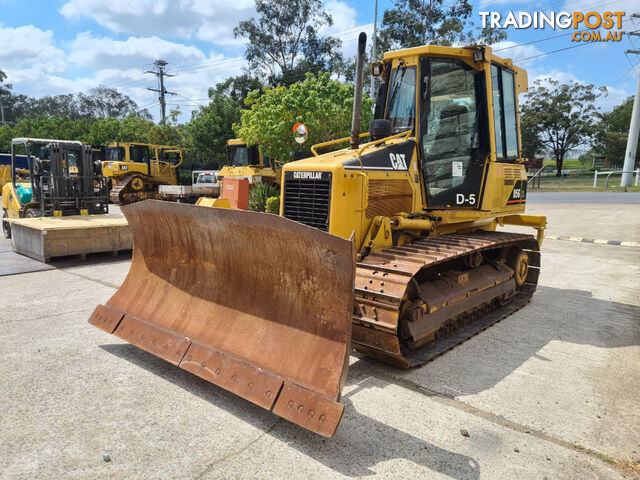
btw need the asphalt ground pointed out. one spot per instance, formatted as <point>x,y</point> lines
<point>549,392</point>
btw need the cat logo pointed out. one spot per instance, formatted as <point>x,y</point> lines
<point>397,161</point>
<point>307,175</point>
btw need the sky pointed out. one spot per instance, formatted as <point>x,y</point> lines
<point>50,47</point>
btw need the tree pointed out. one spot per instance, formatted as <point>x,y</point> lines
<point>532,146</point>
<point>5,91</point>
<point>167,133</point>
<point>346,71</point>
<point>322,104</point>
<point>237,87</point>
<point>97,102</point>
<point>283,40</point>
<point>561,116</point>
<point>5,88</point>
<point>210,127</point>
<point>612,133</point>
<point>107,102</point>
<point>418,22</point>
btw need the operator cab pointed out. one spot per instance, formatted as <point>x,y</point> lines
<point>445,102</point>
<point>240,155</point>
<point>114,154</point>
<point>137,153</point>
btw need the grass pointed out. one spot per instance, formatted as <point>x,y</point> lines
<point>567,164</point>
<point>579,182</point>
<point>631,466</point>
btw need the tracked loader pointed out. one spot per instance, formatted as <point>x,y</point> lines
<point>389,246</point>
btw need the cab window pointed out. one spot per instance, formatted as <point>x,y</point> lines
<point>401,105</point>
<point>114,154</point>
<point>239,156</point>
<point>139,153</point>
<point>449,133</point>
<point>504,112</point>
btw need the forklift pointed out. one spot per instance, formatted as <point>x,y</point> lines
<point>61,179</point>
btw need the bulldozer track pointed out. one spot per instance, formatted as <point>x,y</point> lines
<point>122,194</point>
<point>382,287</point>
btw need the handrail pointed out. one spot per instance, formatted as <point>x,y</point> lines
<point>333,142</point>
<point>612,172</point>
<point>537,174</point>
<point>406,135</point>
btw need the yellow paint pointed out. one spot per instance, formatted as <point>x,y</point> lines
<point>10,202</point>
<point>158,169</point>
<point>259,173</point>
<point>213,202</point>
<point>350,187</point>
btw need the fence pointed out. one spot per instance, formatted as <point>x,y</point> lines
<point>614,172</point>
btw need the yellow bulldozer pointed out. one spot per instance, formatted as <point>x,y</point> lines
<point>136,170</point>
<point>248,162</point>
<point>391,246</point>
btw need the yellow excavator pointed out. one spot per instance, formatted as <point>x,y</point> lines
<point>136,170</point>
<point>390,246</point>
<point>248,162</point>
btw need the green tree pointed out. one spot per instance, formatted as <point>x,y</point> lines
<point>418,22</point>
<point>44,126</point>
<point>532,146</point>
<point>207,132</point>
<point>561,116</point>
<point>107,102</point>
<point>168,133</point>
<point>612,133</point>
<point>322,104</point>
<point>237,87</point>
<point>5,92</point>
<point>6,134</point>
<point>5,88</point>
<point>283,40</point>
<point>97,102</point>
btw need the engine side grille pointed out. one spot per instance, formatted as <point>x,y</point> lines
<point>512,172</point>
<point>387,197</point>
<point>307,197</point>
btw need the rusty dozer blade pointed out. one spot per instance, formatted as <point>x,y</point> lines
<point>254,303</point>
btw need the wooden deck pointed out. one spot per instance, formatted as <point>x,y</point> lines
<point>45,238</point>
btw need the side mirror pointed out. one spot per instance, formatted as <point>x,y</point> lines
<point>380,128</point>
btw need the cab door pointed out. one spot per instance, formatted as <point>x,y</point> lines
<point>452,132</point>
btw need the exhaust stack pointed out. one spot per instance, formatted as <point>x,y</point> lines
<point>357,94</point>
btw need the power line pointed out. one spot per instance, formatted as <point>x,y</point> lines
<point>553,51</point>
<point>543,39</point>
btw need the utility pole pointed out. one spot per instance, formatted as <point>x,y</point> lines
<point>158,71</point>
<point>374,52</point>
<point>632,139</point>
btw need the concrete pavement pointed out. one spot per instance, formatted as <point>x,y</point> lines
<point>550,392</point>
